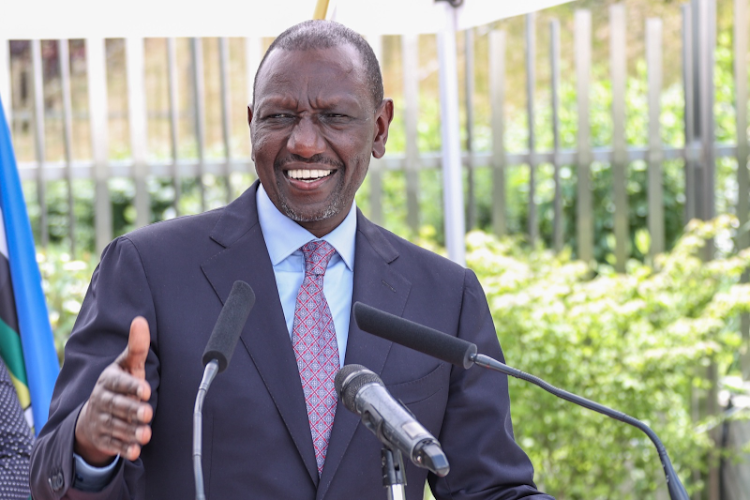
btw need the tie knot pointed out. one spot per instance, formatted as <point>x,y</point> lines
<point>317,255</point>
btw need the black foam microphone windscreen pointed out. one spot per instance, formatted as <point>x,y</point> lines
<point>415,336</point>
<point>229,326</point>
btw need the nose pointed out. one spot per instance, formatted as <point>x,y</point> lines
<point>305,139</point>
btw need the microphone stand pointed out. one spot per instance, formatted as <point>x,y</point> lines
<point>394,479</point>
<point>209,373</point>
<point>675,487</point>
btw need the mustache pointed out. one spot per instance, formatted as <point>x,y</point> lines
<point>319,159</point>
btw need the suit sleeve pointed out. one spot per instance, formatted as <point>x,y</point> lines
<point>477,432</point>
<point>119,291</point>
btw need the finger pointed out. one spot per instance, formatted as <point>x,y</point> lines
<point>110,444</point>
<point>122,407</point>
<point>121,430</point>
<point>133,358</point>
<point>114,379</point>
<point>132,452</point>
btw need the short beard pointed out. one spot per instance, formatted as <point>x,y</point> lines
<point>335,205</point>
<point>332,209</point>
<point>338,198</point>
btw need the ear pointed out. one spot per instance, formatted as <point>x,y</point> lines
<point>250,124</point>
<point>383,119</point>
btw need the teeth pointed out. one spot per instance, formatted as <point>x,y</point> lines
<point>306,174</point>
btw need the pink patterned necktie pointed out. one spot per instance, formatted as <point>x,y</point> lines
<point>315,347</point>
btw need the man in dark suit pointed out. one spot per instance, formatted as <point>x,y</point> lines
<point>122,429</point>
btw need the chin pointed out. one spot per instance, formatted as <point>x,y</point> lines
<point>311,216</point>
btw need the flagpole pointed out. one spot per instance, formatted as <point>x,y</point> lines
<point>39,353</point>
<point>321,9</point>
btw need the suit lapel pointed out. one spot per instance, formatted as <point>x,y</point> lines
<point>377,285</point>
<point>265,337</point>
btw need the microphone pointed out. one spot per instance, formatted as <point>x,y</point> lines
<point>229,326</point>
<point>216,357</point>
<point>364,393</point>
<point>415,336</point>
<point>459,352</point>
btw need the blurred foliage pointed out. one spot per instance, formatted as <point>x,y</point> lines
<point>64,281</point>
<point>639,342</point>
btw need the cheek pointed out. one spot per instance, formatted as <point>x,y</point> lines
<point>260,144</point>
<point>266,143</point>
<point>352,148</point>
<point>359,171</point>
<point>263,157</point>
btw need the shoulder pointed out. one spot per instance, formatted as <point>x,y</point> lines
<point>188,227</point>
<point>410,259</point>
<point>209,230</point>
<point>162,242</point>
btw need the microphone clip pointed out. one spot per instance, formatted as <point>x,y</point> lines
<point>394,479</point>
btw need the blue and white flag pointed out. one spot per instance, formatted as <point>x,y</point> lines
<point>26,342</point>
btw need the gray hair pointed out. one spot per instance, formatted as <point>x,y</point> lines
<point>319,34</point>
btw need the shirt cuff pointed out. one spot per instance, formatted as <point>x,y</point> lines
<point>90,478</point>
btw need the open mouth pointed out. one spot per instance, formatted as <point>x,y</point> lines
<point>307,175</point>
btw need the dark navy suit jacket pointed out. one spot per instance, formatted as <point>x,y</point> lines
<point>256,435</point>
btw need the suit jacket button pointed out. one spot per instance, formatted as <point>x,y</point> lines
<point>56,482</point>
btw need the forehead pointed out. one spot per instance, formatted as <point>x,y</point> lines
<point>329,70</point>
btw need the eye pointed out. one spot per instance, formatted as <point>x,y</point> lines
<point>335,117</point>
<point>279,119</point>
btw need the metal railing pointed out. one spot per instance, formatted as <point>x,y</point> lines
<point>699,155</point>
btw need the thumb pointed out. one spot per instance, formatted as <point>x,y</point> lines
<point>133,358</point>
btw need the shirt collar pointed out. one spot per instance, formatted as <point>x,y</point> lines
<point>284,236</point>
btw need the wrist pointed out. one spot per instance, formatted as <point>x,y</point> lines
<point>93,456</point>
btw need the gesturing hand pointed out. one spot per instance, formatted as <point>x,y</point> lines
<point>115,418</point>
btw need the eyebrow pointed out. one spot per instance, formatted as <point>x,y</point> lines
<point>287,101</point>
<point>279,100</point>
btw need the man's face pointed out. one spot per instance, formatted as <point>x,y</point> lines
<point>314,126</point>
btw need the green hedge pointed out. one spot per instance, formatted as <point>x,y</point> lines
<point>640,342</point>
